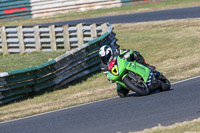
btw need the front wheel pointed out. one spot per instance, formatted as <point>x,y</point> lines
<point>139,88</point>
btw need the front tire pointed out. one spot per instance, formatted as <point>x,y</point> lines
<point>140,89</point>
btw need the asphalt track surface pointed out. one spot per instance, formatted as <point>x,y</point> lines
<point>133,113</point>
<point>179,13</point>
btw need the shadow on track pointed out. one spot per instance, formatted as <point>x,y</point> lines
<point>152,93</point>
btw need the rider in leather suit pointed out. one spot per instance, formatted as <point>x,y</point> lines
<point>107,54</point>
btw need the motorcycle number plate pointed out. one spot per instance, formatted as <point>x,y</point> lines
<point>115,71</point>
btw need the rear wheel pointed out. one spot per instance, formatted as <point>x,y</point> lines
<point>164,83</point>
<point>140,88</point>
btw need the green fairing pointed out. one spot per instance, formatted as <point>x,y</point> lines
<point>123,67</point>
<point>140,69</point>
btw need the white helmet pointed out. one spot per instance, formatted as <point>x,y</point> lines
<point>106,54</point>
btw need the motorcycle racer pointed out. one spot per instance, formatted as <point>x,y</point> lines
<point>107,54</point>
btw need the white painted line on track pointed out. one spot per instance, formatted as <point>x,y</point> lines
<point>85,104</point>
<point>186,80</point>
<point>59,110</point>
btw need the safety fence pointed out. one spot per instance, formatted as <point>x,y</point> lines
<point>20,39</point>
<point>55,74</point>
<point>21,9</point>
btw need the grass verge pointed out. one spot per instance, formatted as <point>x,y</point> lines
<point>185,127</point>
<point>168,4</point>
<point>14,61</point>
<point>172,46</point>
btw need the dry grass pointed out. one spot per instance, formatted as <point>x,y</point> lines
<point>173,46</point>
<point>185,127</point>
<point>78,94</point>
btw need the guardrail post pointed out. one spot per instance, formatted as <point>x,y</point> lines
<point>21,39</point>
<point>80,34</point>
<point>4,40</point>
<point>104,28</point>
<point>93,31</point>
<point>66,37</point>
<point>52,37</point>
<point>37,38</point>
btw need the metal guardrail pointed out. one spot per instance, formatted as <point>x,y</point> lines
<point>21,9</point>
<point>56,73</point>
<point>22,39</point>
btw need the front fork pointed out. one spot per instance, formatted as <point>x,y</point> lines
<point>121,84</point>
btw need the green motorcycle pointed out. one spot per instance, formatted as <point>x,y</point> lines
<point>135,77</point>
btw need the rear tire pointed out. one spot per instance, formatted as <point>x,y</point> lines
<point>122,92</point>
<point>164,83</point>
<point>133,86</point>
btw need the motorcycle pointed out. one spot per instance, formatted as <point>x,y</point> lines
<point>135,77</point>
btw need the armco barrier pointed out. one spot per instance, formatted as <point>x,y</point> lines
<point>20,39</point>
<point>21,9</point>
<point>56,73</point>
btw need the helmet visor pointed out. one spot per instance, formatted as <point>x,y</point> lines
<point>106,58</point>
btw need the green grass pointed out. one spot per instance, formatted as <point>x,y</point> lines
<point>16,61</point>
<point>168,4</point>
